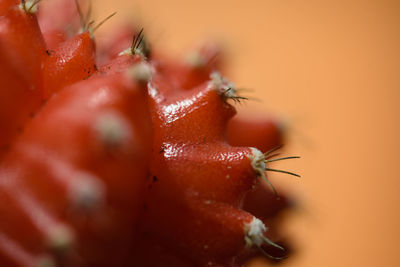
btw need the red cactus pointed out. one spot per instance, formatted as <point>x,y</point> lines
<point>136,162</point>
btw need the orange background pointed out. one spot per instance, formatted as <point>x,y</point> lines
<point>331,69</point>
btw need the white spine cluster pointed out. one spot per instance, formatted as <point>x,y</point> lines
<point>254,236</point>
<point>87,192</point>
<point>141,72</point>
<point>257,161</point>
<point>60,238</point>
<point>112,129</point>
<point>222,85</point>
<point>29,6</point>
<point>195,59</point>
<point>254,233</point>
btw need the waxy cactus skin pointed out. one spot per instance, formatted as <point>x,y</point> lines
<point>124,159</point>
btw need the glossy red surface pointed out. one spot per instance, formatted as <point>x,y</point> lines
<point>72,61</point>
<point>128,157</point>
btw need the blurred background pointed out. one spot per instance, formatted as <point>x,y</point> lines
<point>331,70</point>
